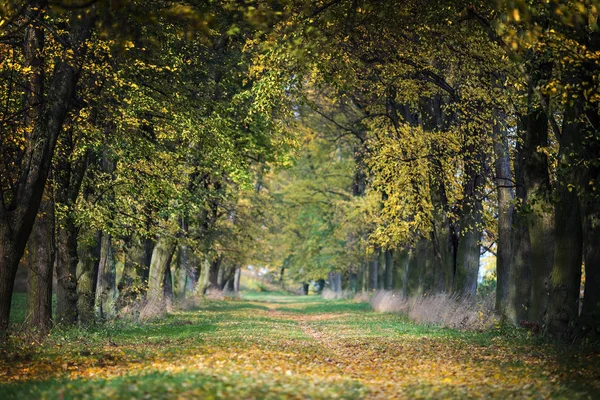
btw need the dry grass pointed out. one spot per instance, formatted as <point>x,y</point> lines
<point>362,297</point>
<point>389,302</point>
<point>153,310</point>
<point>440,309</point>
<point>329,294</point>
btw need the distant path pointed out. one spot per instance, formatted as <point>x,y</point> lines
<point>279,346</point>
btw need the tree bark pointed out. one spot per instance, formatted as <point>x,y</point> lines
<point>66,271</point>
<point>87,276</point>
<point>236,281</point>
<point>539,191</point>
<point>203,283</point>
<point>504,187</point>
<point>591,302</point>
<point>444,241</point>
<point>590,313</point>
<point>16,219</point>
<point>213,273</point>
<point>41,262</point>
<point>469,247</point>
<point>400,270</point>
<point>133,284</point>
<point>417,264</point>
<point>565,277</point>
<point>389,270</point>
<point>68,177</point>
<point>161,259</point>
<point>106,285</point>
<point>374,273</point>
<point>168,283</point>
<point>519,287</point>
<point>305,287</point>
<point>182,270</point>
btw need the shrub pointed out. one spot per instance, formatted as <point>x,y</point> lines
<point>439,309</point>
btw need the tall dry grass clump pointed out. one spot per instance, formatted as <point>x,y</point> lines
<point>386,301</point>
<point>155,309</point>
<point>442,309</point>
<point>329,294</point>
<point>362,297</point>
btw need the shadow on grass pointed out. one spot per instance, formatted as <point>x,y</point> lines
<point>179,328</point>
<point>163,385</point>
<point>327,307</point>
<point>225,306</point>
<point>277,297</point>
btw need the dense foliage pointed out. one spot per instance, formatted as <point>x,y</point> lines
<point>150,150</point>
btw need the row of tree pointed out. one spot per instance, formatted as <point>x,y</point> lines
<point>133,138</point>
<point>137,139</point>
<point>473,127</point>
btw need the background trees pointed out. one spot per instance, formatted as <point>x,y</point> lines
<point>147,139</point>
<point>469,117</point>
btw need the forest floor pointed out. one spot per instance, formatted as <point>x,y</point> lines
<point>280,346</point>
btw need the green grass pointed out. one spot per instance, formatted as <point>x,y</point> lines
<point>274,345</point>
<point>19,308</point>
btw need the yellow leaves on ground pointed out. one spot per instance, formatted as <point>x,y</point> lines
<point>296,347</point>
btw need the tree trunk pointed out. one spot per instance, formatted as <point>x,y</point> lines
<point>352,282</point>
<point>229,286</point>
<point>106,285</point>
<point>182,270</point>
<point>68,177</point>
<point>374,273</point>
<point>236,281</point>
<point>335,281</point>
<point>305,288</point>
<point>504,188</point>
<point>417,264</point>
<point>221,276</point>
<point>400,270</point>
<point>213,274</point>
<point>590,312</point>
<point>565,277</point>
<point>193,273</point>
<point>519,286</point>
<point>168,283</point>
<point>469,247</point>
<point>467,257</point>
<point>382,271</point>
<point>444,240</point>
<point>591,302</point>
<point>363,276</point>
<point>41,263</point>
<point>539,193</point>
<point>389,270</point>
<point>227,275</point>
<point>161,259</point>
<point>87,276</point>
<point>203,283</point>
<point>330,281</point>
<point>16,220</point>
<point>133,283</point>
<point>66,272</point>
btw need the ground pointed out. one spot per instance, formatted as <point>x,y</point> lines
<point>281,346</point>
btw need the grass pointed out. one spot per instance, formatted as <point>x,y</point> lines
<point>274,345</point>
